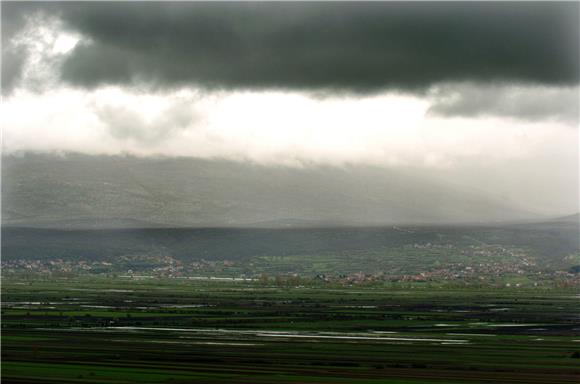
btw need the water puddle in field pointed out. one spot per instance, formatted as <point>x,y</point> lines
<point>451,341</point>
<point>185,305</point>
<point>369,336</point>
<point>511,325</point>
<point>175,306</point>
<point>34,304</point>
<point>471,334</point>
<point>200,343</point>
<point>41,305</point>
<point>189,342</point>
<point>250,335</point>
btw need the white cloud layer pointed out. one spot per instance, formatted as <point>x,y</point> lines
<point>267,127</point>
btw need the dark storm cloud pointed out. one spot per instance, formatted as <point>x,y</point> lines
<point>12,58</point>
<point>359,47</point>
<point>12,64</point>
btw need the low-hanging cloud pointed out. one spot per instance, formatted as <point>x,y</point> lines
<point>354,47</point>
<point>530,103</point>
<point>127,124</point>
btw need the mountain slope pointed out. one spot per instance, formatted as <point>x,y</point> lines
<point>99,192</point>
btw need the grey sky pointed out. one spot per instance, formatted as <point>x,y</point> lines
<point>484,95</point>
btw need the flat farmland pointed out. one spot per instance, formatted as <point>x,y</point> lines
<point>114,330</point>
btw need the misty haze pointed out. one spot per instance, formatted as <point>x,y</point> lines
<point>290,192</point>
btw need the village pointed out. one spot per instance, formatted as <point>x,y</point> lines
<point>502,267</point>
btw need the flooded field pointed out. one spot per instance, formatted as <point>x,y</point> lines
<point>182,331</point>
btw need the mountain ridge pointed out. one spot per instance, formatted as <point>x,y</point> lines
<point>101,191</point>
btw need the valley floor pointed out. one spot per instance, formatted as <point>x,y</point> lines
<point>105,330</point>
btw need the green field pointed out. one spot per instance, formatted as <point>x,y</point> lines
<point>102,330</point>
